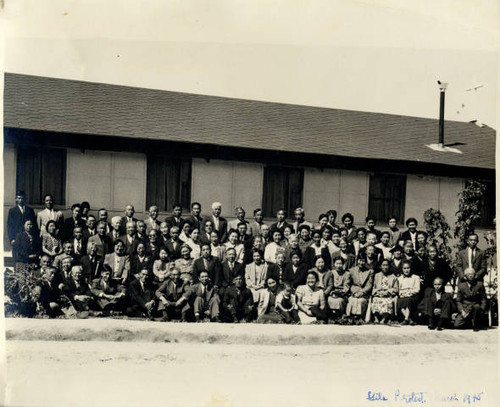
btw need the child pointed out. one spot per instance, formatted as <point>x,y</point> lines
<point>286,305</point>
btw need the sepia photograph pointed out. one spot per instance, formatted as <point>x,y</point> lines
<point>249,203</point>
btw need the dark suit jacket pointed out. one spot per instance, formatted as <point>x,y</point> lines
<point>69,225</point>
<point>83,248</point>
<point>154,252</point>
<point>130,248</point>
<point>274,227</point>
<point>407,236</point>
<point>214,269</point>
<point>136,265</point>
<point>227,275</point>
<point>16,220</point>
<point>111,288</point>
<point>71,290</point>
<point>441,269</point>
<point>123,226</point>
<point>430,303</point>
<point>466,297</point>
<point>25,247</point>
<point>173,254</point>
<point>91,269</point>
<point>195,222</point>
<point>273,271</point>
<point>310,257</point>
<point>139,297</point>
<point>222,227</point>
<point>478,263</point>
<point>86,233</point>
<point>297,278</point>
<point>174,222</point>
<point>240,302</point>
<point>171,291</point>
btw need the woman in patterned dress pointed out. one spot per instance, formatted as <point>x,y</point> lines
<point>385,290</point>
<point>51,244</point>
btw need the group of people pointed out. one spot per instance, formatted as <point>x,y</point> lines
<point>196,268</point>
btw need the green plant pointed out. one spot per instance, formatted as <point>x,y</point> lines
<point>438,231</point>
<point>19,292</point>
<point>468,214</point>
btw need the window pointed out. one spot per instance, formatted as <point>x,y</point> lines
<point>387,196</point>
<point>40,171</point>
<point>282,189</point>
<point>168,182</point>
<point>488,205</point>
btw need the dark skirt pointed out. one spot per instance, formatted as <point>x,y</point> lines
<point>408,302</point>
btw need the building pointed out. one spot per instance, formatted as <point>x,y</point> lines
<point>114,145</point>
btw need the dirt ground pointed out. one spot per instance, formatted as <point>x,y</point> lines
<point>135,363</point>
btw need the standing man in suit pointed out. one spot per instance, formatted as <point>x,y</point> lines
<point>208,263</point>
<point>411,233</point>
<point>195,219</point>
<point>141,231</point>
<point>102,215</point>
<point>129,217</point>
<point>73,222</point>
<point>471,301</point>
<point>255,226</point>
<point>206,233</point>
<point>240,217</point>
<point>79,243</point>
<point>174,245</point>
<point>219,223</point>
<point>471,257</point>
<point>152,221</point>
<point>18,215</point>
<point>49,213</point>
<point>130,239</point>
<point>116,228</point>
<point>281,223</point>
<point>299,219</point>
<point>103,242</point>
<point>176,218</point>
<point>90,227</point>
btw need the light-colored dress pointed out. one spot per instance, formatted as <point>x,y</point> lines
<point>384,304</point>
<point>362,281</point>
<point>309,298</point>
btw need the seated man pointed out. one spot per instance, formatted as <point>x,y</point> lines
<point>109,295</point>
<point>67,251</point>
<point>170,296</point>
<point>77,290</point>
<point>119,263</point>
<point>237,304</point>
<point>91,263</point>
<point>46,294</point>
<point>203,299</point>
<point>471,301</point>
<point>141,297</point>
<point>437,305</point>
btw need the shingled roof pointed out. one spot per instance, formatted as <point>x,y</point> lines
<point>67,106</point>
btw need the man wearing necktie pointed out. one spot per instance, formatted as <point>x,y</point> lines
<point>203,299</point>
<point>471,257</point>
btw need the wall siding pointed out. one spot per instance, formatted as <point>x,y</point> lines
<point>230,183</point>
